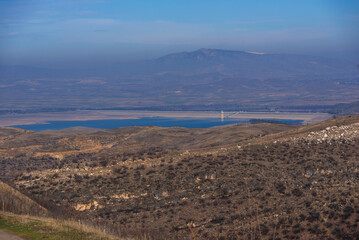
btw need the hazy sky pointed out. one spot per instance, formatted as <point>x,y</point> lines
<point>66,33</point>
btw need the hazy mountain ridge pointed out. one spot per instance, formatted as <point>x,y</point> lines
<point>205,76</point>
<point>257,65</point>
<point>241,63</point>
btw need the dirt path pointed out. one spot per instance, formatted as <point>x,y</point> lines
<point>7,235</point>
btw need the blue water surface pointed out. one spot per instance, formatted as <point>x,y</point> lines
<point>159,122</point>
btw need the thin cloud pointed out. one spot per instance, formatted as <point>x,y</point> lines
<point>109,30</point>
<point>13,34</point>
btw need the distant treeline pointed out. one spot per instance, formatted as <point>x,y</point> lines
<point>256,121</point>
<point>345,109</point>
<point>36,110</point>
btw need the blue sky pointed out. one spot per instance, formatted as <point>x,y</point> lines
<point>66,33</point>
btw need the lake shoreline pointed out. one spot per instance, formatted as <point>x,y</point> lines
<point>87,115</point>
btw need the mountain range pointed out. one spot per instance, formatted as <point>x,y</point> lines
<point>202,77</point>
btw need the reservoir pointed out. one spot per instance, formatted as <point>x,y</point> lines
<point>147,121</point>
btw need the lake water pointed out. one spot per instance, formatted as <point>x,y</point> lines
<point>159,122</point>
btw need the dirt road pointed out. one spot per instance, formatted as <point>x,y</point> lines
<point>7,235</point>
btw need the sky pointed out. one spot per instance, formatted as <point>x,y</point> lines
<point>63,33</point>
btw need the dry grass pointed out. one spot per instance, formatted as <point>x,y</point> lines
<point>48,225</point>
<point>12,200</point>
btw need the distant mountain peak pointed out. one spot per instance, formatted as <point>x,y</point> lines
<point>253,64</point>
<point>257,53</point>
<point>205,50</point>
<point>211,51</point>
<point>204,53</point>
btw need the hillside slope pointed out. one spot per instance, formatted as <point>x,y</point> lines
<point>301,183</point>
<point>49,149</point>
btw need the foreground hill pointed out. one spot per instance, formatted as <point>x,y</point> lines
<point>302,183</point>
